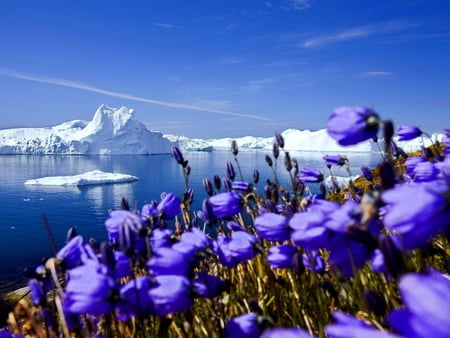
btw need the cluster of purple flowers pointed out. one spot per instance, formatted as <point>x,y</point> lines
<point>158,261</point>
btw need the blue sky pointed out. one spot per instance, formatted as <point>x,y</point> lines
<point>225,68</point>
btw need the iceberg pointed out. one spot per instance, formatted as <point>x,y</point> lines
<point>92,177</point>
<point>112,131</point>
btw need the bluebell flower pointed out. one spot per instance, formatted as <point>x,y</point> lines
<point>121,218</point>
<point>167,261</point>
<point>347,326</point>
<point>310,175</point>
<point>427,307</point>
<point>230,171</point>
<point>411,162</point>
<point>281,256</point>
<point>282,332</point>
<point>279,139</point>
<point>245,325</point>
<point>160,238</point>
<point>226,204</point>
<point>406,133</point>
<point>89,290</point>
<point>351,125</point>
<point>417,212</point>
<point>36,291</point>
<point>308,230</point>
<point>238,248</point>
<point>367,173</point>
<point>135,298</point>
<point>196,238</point>
<point>425,172</point>
<point>70,254</point>
<point>148,211</point>
<point>313,261</point>
<point>123,265</point>
<point>377,261</point>
<point>242,186</point>
<point>169,206</point>
<point>178,155</point>
<point>272,227</point>
<point>208,286</point>
<point>171,294</point>
<point>331,160</point>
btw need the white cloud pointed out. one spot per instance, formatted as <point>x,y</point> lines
<point>164,25</point>
<point>89,88</point>
<point>229,28</point>
<point>299,5</point>
<point>374,74</point>
<point>356,33</point>
<point>255,86</point>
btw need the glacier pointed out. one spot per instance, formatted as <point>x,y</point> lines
<point>88,178</point>
<point>112,131</point>
<point>116,131</point>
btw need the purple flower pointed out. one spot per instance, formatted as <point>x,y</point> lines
<point>427,309</point>
<point>279,139</point>
<point>149,210</point>
<point>425,172</point>
<point>281,256</point>
<point>171,294</point>
<point>160,238</point>
<point>245,325</point>
<point>226,204</point>
<point>234,148</point>
<point>136,298</point>
<point>169,206</point>
<point>346,326</point>
<point>167,261</point>
<point>238,248</point>
<point>367,173</point>
<point>310,175</point>
<point>291,332</point>
<point>230,171</point>
<point>70,254</point>
<point>406,133</point>
<point>122,219</point>
<point>417,212</point>
<point>197,238</point>
<point>89,290</point>
<point>313,261</point>
<point>37,292</point>
<point>351,125</point>
<point>411,162</point>
<point>178,155</point>
<point>208,286</point>
<point>239,185</point>
<point>308,230</point>
<point>272,227</point>
<point>331,160</point>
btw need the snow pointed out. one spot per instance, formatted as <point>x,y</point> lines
<point>88,178</point>
<point>112,131</point>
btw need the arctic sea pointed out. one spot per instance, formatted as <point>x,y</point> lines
<point>23,239</point>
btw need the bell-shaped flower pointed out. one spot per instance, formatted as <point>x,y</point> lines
<point>240,247</point>
<point>427,309</point>
<point>70,254</point>
<point>90,290</point>
<point>286,332</point>
<point>308,230</point>
<point>425,172</point>
<point>347,326</point>
<point>135,298</point>
<point>417,212</point>
<point>196,238</point>
<point>272,227</point>
<point>310,175</point>
<point>312,261</point>
<point>171,294</point>
<point>160,238</point>
<point>167,261</point>
<point>351,125</point>
<point>281,256</point>
<point>208,286</point>
<point>338,160</point>
<point>122,218</point>
<point>149,210</point>
<point>245,325</point>
<point>406,133</point>
<point>226,204</point>
<point>169,206</point>
<point>36,291</point>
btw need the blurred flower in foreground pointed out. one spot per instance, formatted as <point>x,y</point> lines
<point>291,332</point>
<point>406,133</point>
<point>347,326</point>
<point>310,175</point>
<point>417,212</point>
<point>338,160</point>
<point>427,306</point>
<point>245,325</point>
<point>121,218</point>
<point>351,125</point>
<point>281,256</point>
<point>90,290</point>
<point>169,206</point>
<point>172,294</point>
<point>226,204</point>
<point>241,246</point>
<point>272,227</point>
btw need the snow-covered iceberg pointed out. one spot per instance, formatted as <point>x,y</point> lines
<point>88,178</point>
<point>112,131</point>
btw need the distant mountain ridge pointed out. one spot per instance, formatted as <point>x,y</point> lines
<point>114,131</point>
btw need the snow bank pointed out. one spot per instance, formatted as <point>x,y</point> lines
<point>88,178</point>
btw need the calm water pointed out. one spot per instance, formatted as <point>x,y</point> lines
<point>23,239</point>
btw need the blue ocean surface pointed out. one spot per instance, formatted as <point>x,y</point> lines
<point>23,238</point>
